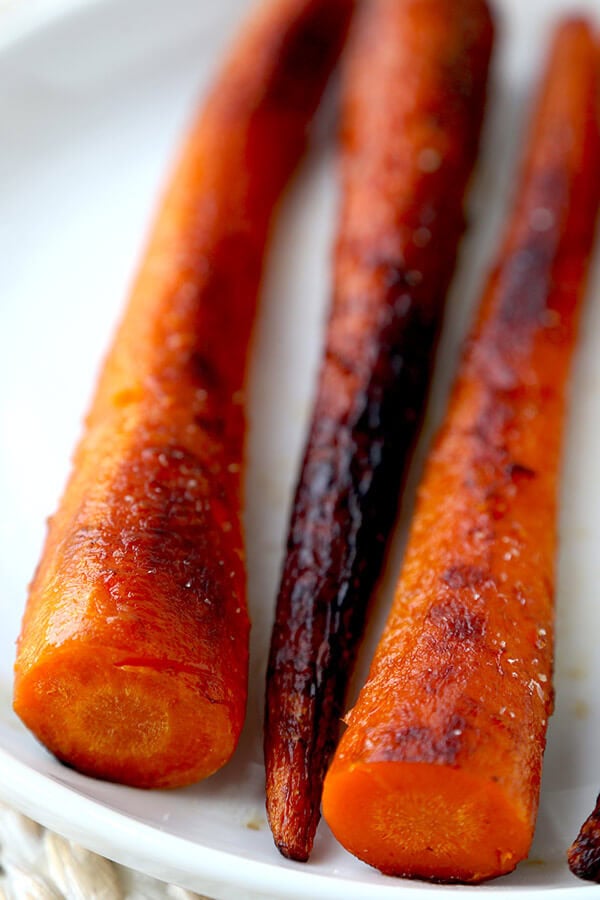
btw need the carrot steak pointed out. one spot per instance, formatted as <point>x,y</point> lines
<point>413,105</point>
<point>438,773</point>
<point>132,661</point>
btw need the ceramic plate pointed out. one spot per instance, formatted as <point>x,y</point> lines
<point>94,98</point>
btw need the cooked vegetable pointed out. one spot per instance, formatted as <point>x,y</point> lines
<point>438,773</point>
<point>584,852</point>
<point>413,104</point>
<point>132,662</point>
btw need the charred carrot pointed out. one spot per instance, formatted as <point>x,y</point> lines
<point>584,852</point>
<point>438,773</point>
<point>132,661</point>
<point>414,97</point>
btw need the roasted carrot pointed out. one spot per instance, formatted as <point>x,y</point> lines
<point>132,661</point>
<point>438,773</point>
<point>413,104</point>
<point>584,852</point>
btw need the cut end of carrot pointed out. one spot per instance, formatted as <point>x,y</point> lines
<point>419,820</point>
<point>132,724</point>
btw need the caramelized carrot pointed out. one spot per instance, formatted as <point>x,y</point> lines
<point>414,97</point>
<point>438,773</point>
<point>584,852</point>
<point>132,661</point>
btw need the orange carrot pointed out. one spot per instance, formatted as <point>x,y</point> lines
<point>132,661</point>
<point>438,773</point>
<point>414,93</point>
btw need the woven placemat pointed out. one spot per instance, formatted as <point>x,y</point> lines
<point>39,865</point>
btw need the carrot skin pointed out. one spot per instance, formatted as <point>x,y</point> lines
<point>584,852</point>
<point>413,104</point>
<point>132,660</point>
<point>438,773</point>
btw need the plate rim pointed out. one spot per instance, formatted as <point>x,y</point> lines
<point>169,853</point>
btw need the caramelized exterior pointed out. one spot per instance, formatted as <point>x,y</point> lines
<point>438,773</point>
<point>413,103</point>
<point>584,852</point>
<point>132,661</point>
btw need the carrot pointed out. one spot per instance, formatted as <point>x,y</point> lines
<point>413,105</point>
<point>132,660</point>
<point>438,773</point>
<point>584,852</point>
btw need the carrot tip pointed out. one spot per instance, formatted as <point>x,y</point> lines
<point>293,821</point>
<point>298,852</point>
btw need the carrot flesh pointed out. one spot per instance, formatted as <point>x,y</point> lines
<point>414,91</point>
<point>438,774</point>
<point>132,660</point>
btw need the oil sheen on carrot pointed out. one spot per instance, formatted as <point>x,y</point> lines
<point>413,97</point>
<point>584,853</point>
<point>438,773</point>
<point>132,661</point>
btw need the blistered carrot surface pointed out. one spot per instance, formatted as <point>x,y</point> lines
<point>413,95</point>
<point>438,773</point>
<point>132,661</point>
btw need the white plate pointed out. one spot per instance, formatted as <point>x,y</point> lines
<point>93,100</point>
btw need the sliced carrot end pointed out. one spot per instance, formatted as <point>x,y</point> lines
<point>419,820</point>
<point>129,724</point>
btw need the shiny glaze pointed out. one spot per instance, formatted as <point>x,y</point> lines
<point>132,661</point>
<point>449,731</point>
<point>413,103</point>
<point>584,853</point>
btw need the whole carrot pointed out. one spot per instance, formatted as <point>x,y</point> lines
<point>413,103</point>
<point>132,661</point>
<point>438,773</point>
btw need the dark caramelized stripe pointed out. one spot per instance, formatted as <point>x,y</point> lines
<point>437,775</point>
<point>584,852</point>
<point>413,106</point>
